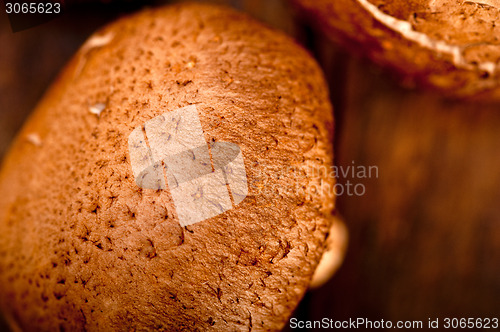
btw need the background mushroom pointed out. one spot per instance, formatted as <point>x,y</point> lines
<point>448,46</point>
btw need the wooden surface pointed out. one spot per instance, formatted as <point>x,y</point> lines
<point>425,238</point>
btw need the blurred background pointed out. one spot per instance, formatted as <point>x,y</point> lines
<point>424,238</point>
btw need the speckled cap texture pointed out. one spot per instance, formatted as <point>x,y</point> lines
<point>82,247</point>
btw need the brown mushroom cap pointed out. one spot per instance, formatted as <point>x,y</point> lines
<point>445,45</point>
<point>82,247</point>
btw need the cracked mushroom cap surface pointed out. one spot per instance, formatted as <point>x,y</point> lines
<point>83,247</point>
<point>449,46</point>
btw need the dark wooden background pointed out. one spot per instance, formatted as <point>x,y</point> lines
<point>424,239</point>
